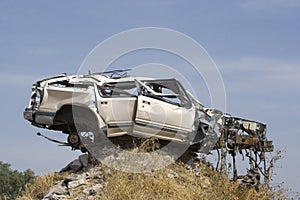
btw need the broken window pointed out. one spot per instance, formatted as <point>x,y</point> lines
<point>119,89</point>
<point>170,91</point>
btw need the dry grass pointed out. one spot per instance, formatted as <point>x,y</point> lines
<point>175,181</point>
<point>204,183</point>
<point>185,185</point>
<point>41,186</point>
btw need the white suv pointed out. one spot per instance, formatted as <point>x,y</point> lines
<point>120,105</point>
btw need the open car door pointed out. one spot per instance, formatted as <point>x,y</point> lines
<point>164,110</point>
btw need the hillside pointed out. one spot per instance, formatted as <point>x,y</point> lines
<point>83,179</point>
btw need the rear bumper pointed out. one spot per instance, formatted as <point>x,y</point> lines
<point>28,114</point>
<point>39,117</point>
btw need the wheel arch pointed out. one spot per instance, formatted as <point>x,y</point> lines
<point>65,115</point>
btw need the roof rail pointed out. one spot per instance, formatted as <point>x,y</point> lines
<point>118,73</point>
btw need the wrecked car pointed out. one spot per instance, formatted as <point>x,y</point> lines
<point>121,105</point>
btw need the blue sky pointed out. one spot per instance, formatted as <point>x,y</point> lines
<point>255,45</point>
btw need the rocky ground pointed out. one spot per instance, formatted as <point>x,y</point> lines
<point>85,174</point>
<point>85,178</point>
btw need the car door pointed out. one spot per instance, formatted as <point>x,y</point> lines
<point>164,110</point>
<point>116,105</point>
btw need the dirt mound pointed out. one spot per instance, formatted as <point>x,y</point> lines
<point>84,178</point>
